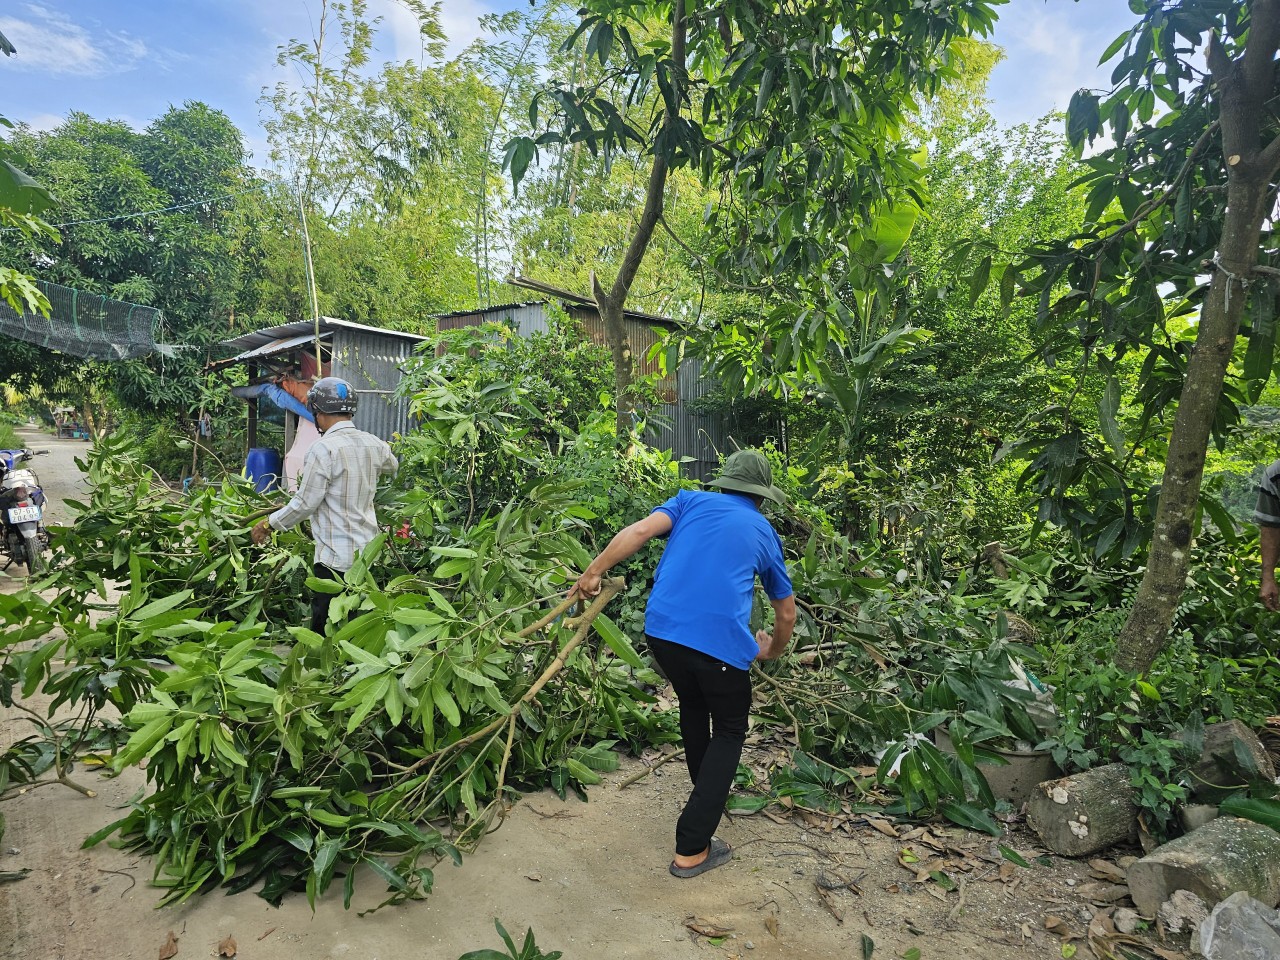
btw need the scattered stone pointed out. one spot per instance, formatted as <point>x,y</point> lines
<point>1223,856</point>
<point>1126,920</point>
<point>1086,812</point>
<point>1196,815</point>
<point>1183,911</point>
<point>749,945</point>
<point>1218,765</point>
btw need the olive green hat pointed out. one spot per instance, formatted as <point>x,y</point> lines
<point>748,471</point>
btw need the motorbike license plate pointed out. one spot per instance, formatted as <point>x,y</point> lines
<point>24,514</point>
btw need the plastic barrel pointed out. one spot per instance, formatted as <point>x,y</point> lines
<point>263,468</point>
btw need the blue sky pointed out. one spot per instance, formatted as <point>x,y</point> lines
<point>131,60</point>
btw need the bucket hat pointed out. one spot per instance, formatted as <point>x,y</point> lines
<point>748,471</point>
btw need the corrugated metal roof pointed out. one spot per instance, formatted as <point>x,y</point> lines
<point>258,338</point>
<point>496,308</point>
<point>268,350</point>
<point>545,288</point>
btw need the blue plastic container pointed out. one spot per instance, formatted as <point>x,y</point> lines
<point>263,468</point>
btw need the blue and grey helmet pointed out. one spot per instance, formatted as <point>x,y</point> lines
<point>332,395</point>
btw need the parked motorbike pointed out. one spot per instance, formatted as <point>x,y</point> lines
<point>23,538</point>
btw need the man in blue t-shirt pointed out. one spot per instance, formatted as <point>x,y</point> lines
<point>697,624</point>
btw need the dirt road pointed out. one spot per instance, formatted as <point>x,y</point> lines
<point>589,878</point>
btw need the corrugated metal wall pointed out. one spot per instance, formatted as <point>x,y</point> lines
<point>688,433</point>
<point>526,319</point>
<point>373,365</point>
<point>673,426</point>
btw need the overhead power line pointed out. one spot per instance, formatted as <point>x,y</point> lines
<point>149,213</point>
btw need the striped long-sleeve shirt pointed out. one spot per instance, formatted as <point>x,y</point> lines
<point>1267,511</point>
<point>339,478</point>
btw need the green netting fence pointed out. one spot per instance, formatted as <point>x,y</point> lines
<point>84,324</point>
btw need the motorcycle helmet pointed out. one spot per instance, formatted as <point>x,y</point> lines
<point>332,395</point>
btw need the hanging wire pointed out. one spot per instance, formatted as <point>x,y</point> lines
<point>149,213</point>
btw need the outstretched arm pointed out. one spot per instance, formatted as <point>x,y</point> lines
<point>625,543</point>
<point>784,621</point>
<point>1270,593</point>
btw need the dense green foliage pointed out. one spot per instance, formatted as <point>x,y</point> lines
<point>972,436</point>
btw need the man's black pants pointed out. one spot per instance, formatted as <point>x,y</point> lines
<point>715,701</point>
<point>320,601</point>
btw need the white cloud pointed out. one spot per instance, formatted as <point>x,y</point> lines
<point>1052,51</point>
<point>461,23</point>
<point>50,42</point>
<point>43,122</point>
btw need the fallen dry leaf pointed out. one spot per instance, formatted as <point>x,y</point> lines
<point>1103,927</point>
<point>1056,925</point>
<point>771,924</point>
<point>170,948</point>
<point>884,826</point>
<point>1103,892</point>
<point>535,877</point>
<point>1026,931</point>
<point>1008,871</point>
<point>706,929</point>
<point>1106,870</point>
<point>929,840</point>
<point>227,948</point>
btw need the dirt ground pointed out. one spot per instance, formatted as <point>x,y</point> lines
<point>589,878</point>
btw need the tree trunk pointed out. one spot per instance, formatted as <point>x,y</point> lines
<point>1244,86</point>
<point>1086,812</point>
<point>613,303</point>
<point>1160,593</point>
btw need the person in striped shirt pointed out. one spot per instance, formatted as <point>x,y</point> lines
<point>339,479</point>
<point>1267,516</point>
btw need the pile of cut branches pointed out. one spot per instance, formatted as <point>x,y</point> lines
<point>279,756</point>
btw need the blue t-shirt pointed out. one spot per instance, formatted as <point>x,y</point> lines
<point>719,543</point>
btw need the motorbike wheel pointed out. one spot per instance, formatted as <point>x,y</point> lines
<point>34,550</point>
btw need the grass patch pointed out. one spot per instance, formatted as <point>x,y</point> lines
<point>9,439</point>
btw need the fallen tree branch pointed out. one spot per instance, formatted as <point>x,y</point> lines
<point>637,777</point>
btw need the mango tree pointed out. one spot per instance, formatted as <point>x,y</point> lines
<point>790,112</point>
<point>1177,208</point>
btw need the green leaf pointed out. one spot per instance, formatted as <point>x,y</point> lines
<point>98,836</point>
<point>447,705</point>
<point>1008,279</point>
<point>970,817</point>
<point>1266,812</point>
<point>393,879</point>
<point>1083,118</point>
<point>943,880</point>
<point>617,642</point>
<point>520,153</point>
<point>1013,856</point>
<point>20,193</point>
<point>1108,407</point>
<point>156,607</point>
<point>868,947</point>
<point>978,282</point>
<point>1114,47</point>
<point>740,803</point>
<point>582,773</point>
